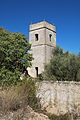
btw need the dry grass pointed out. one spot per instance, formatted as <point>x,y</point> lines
<point>13,99</point>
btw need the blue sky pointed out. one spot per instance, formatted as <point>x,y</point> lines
<point>16,15</point>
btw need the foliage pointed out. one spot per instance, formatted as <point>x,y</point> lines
<point>63,66</point>
<point>29,85</point>
<point>60,117</point>
<point>14,56</point>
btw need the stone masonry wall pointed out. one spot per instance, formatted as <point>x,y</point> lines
<point>41,49</point>
<point>59,97</point>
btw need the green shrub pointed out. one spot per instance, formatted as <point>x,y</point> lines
<point>63,66</point>
<point>60,117</point>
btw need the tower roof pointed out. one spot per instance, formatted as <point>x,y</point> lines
<point>42,24</point>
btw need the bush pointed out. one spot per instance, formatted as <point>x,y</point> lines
<point>63,66</point>
<point>60,117</point>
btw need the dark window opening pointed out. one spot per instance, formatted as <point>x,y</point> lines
<point>36,37</point>
<point>36,71</point>
<point>50,37</point>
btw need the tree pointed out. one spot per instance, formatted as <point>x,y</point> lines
<point>63,66</point>
<point>14,56</point>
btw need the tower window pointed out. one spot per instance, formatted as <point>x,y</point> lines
<point>36,71</point>
<point>36,37</point>
<point>50,37</point>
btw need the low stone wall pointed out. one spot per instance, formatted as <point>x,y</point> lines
<point>59,97</point>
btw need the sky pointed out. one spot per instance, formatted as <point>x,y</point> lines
<point>17,15</point>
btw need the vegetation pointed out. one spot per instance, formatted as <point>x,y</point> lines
<point>60,117</point>
<point>63,66</point>
<point>19,96</point>
<point>14,58</point>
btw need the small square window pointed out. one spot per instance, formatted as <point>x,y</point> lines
<point>36,37</point>
<point>50,37</point>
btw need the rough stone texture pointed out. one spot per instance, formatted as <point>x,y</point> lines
<point>41,49</point>
<point>24,114</point>
<point>59,97</point>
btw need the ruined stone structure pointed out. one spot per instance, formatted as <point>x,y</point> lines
<point>42,37</point>
<point>59,97</point>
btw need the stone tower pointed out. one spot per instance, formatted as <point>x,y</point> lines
<point>42,36</point>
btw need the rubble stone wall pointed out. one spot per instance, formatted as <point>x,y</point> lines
<point>59,97</point>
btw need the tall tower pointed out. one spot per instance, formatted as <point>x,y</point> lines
<point>42,37</point>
